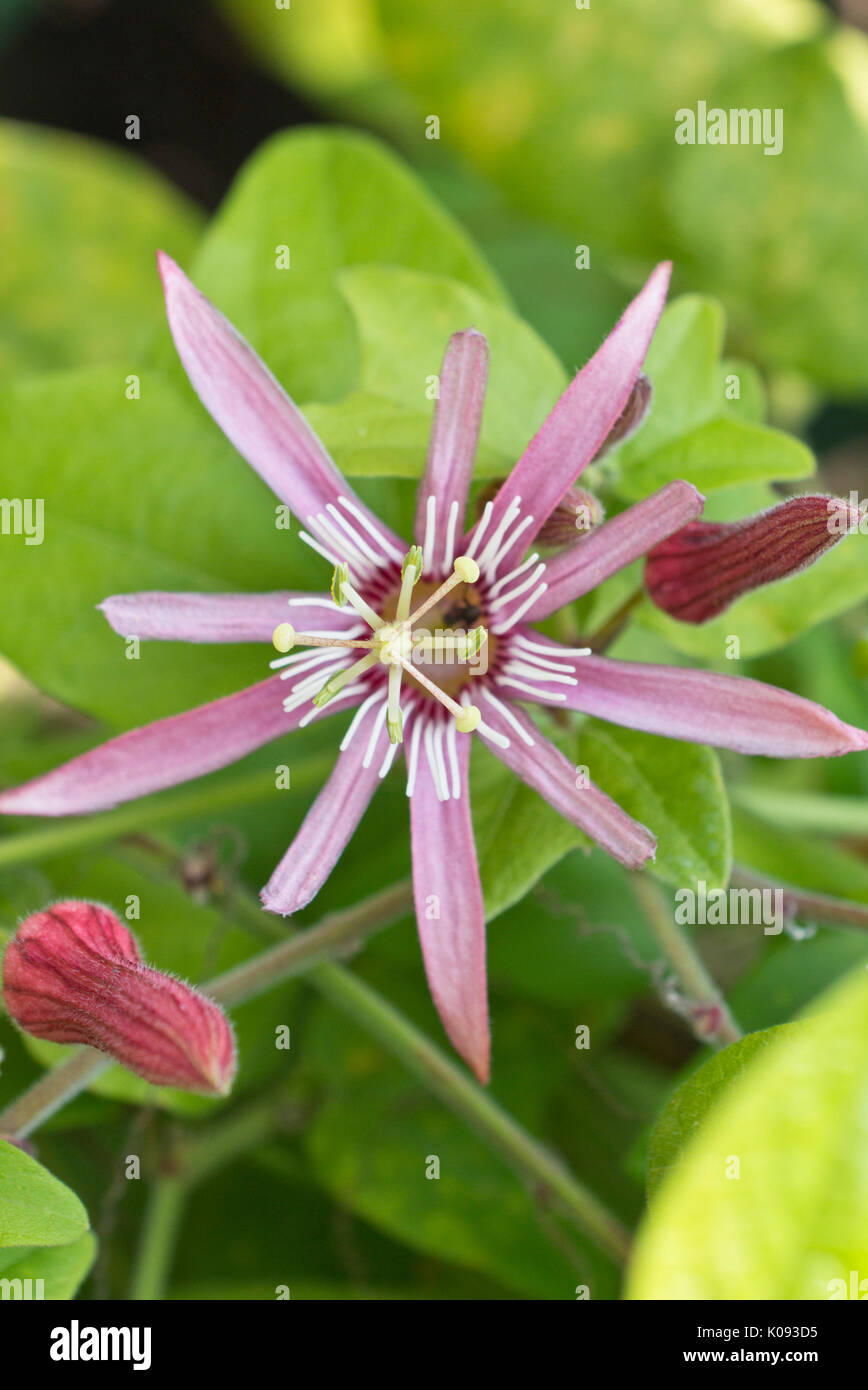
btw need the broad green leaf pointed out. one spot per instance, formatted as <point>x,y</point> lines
<point>138,494</point>
<point>792,1218</point>
<point>81,223</point>
<point>674,788</point>
<point>371,1141</point>
<point>777,221</point>
<point>403,321</point>
<point>56,1272</point>
<point>819,812</point>
<point>688,1108</point>
<point>335,199</point>
<point>725,452</point>
<point>35,1207</point>
<point>802,860</point>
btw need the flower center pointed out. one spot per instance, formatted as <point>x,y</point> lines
<point>402,644</point>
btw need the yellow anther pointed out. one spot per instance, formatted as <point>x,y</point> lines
<point>283,637</point>
<point>466,569</point>
<point>468,720</point>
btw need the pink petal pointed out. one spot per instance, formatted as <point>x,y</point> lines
<point>329,824</point>
<point>218,617</point>
<point>571,435</point>
<point>614,545</point>
<point>544,767</point>
<point>450,912</point>
<point>452,447</point>
<point>158,755</point>
<point>250,406</point>
<point>734,712</point>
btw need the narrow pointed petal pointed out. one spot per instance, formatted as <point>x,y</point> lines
<point>543,766</point>
<point>614,545</point>
<point>700,570</point>
<point>452,447</point>
<point>332,819</point>
<point>733,712</point>
<point>250,406</point>
<point>450,912</point>
<point>571,435</point>
<point>158,755</point>
<point>219,617</point>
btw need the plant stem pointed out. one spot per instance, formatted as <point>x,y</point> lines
<point>547,1175</point>
<point>159,1231</point>
<point>799,900</point>
<point>706,1008</point>
<point>337,931</point>
<point>63,1083</point>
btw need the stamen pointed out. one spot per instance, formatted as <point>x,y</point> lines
<point>349,693</point>
<point>393,717</point>
<point>482,728</point>
<point>285,637</point>
<point>467,717</point>
<point>343,591</point>
<point>465,571</point>
<point>337,682</point>
<point>411,572</point>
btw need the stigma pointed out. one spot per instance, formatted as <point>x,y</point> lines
<point>395,643</point>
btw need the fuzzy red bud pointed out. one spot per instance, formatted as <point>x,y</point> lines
<point>700,570</point>
<point>74,974</point>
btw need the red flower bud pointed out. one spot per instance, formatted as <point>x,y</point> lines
<point>700,570</point>
<point>631,417</point>
<point>74,974</point>
<point>577,513</point>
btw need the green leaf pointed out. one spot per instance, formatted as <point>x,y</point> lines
<point>674,788</point>
<point>795,1217</point>
<point>776,220</point>
<point>35,1207</point>
<point>138,494</point>
<point>81,223</point>
<point>403,322</point>
<point>61,1268</point>
<point>688,1108</point>
<point>336,199</point>
<point>721,453</point>
<point>376,1133</point>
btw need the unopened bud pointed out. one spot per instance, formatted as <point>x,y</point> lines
<point>631,417</point>
<point>577,513</point>
<point>700,570</point>
<point>74,974</point>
